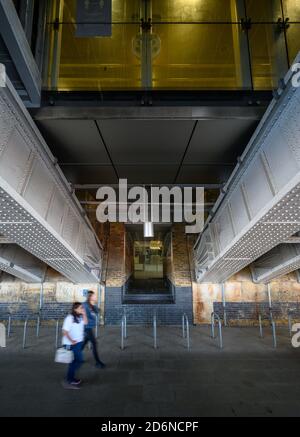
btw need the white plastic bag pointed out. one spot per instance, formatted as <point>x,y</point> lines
<point>63,356</point>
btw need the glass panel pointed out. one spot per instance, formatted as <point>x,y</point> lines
<point>291,9</point>
<point>264,10</point>
<point>268,56</point>
<point>122,11</point>
<point>197,56</point>
<point>95,63</point>
<point>293,41</point>
<point>148,259</point>
<point>191,10</point>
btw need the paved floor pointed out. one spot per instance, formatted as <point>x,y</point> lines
<point>247,378</point>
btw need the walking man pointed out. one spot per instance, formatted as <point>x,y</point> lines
<point>89,336</point>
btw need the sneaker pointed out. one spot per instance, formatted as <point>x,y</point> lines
<point>68,386</point>
<point>76,382</point>
<point>100,365</point>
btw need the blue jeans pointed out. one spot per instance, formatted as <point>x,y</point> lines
<point>76,363</point>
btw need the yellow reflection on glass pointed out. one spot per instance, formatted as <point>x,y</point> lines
<point>97,63</point>
<point>191,10</point>
<point>292,9</point>
<point>264,10</point>
<point>293,40</point>
<point>197,56</point>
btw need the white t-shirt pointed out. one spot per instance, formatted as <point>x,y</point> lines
<point>75,330</point>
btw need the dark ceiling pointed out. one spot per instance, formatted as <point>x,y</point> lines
<point>147,151</point>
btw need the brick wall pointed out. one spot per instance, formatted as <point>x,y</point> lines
<point>22,299</point>
<point>244,299</point>
<point>181,265</point>
<point>115,275</point>
<point>142,314</point>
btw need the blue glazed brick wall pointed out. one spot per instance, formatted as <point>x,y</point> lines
<point>49,311</point>
<point>142,314</point>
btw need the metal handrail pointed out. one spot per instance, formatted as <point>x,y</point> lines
<point>155,330</point>
<point>213,317</point>
<point>186,330</point>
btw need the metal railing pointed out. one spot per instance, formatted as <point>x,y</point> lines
<point>186,330</point>
<point>213,317</point>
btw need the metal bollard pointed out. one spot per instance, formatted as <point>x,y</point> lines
<point>183,326</point>
<point>125,325</point>
<point>56,333</point>
<point>122,333</point>
<point>220,334</point>
<point>187,332</point>
<point>9,326</point>
<point>260,326</point>
<point>213,326</point>
<point>38,322</point>
<point>290,324</point>
<point>274,334</point>
<point>225,317</point>
<point>213,316</point>
<point>25,333</point>
<point>155,330</point>
<point>96,328</point>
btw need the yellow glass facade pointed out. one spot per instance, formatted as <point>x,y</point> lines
<point>189,45</point>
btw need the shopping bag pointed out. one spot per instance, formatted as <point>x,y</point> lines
<point>63,356</point>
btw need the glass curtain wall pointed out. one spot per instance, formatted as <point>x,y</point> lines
<point>172,45</point>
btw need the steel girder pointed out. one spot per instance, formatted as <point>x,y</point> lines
<point>15,261</point>
<point>13,34</point>
<point>259,207</point>
<point>281,260</point>
<point>38,209</point>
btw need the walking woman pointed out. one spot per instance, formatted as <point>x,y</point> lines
<point>73,337</point>
<point>91,313</point>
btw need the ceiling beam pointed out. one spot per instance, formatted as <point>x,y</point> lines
<point>254,113</point>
